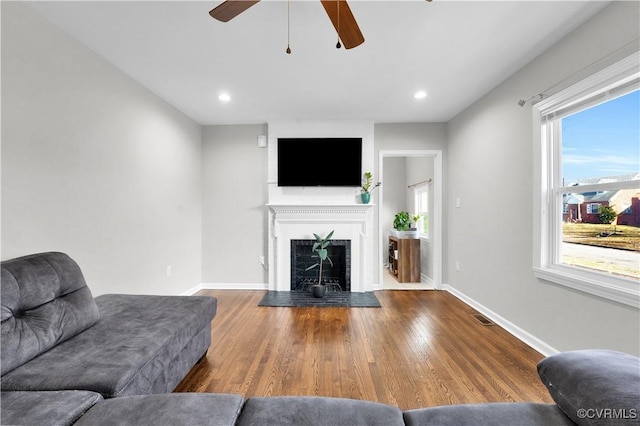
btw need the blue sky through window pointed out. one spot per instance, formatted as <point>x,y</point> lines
<point>603,140</point>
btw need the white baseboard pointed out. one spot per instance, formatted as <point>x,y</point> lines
<point>192,290</point>
<point>235,286</point>
<point>226,286</point>
<point>516,331</point>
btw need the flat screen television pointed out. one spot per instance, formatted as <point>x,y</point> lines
<point>319,161</point>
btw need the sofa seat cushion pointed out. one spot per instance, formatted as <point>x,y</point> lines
<point>197,409</point>
<point>491,414</point>
<point>135,340</point>
<point>594,386</point>
<point>316,411</point>
<point>45,408</point>
<point>45,301</point>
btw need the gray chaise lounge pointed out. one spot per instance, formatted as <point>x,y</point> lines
<point>56,336</point>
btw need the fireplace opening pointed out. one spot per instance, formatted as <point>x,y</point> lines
<point>336,277</point>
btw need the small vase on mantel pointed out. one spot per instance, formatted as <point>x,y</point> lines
<point>365,197</point>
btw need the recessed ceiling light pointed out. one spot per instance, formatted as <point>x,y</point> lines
<point>420,94</point>
<point>224,97</point>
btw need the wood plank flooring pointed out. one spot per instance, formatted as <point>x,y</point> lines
<point>422,348</point>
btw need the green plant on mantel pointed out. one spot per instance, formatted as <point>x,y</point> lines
<point>320,250</point>
<point>368,183</point>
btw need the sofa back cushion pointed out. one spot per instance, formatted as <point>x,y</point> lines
<point>45,301</point>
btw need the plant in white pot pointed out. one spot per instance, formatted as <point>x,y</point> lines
<point>321,252</point>
<point>415,220</point>
<point>402,225</point>
<point>415,229</point>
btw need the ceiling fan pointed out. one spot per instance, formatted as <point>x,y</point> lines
<point>338,10</point>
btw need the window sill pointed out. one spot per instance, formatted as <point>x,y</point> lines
<point>610,288</point>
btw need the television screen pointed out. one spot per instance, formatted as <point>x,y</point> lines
<point>319,161</point>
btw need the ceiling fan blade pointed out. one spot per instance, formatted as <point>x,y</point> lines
<point>229,9</point>
<point>347,27</point>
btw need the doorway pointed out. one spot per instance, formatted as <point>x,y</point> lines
<point>420,168</point>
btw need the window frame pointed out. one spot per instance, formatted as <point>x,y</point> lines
<point>623,76</point>
<point>417,190</point>
<point>594,208</point>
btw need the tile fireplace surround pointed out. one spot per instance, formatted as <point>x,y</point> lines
<point>352,222</point>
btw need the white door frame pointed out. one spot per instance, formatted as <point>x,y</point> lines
<point>436,215</point>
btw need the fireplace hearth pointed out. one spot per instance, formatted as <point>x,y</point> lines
<point>336,277</point>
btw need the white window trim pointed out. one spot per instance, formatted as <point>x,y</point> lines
<point>594,206</point>
<point>416,189</point>
<point>546,224</point>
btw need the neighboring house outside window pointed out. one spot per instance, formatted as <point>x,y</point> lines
<point>631,215</point>
<point>573,128</point>
<point>589,205</point>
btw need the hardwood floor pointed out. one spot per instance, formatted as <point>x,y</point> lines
<point>422,348</point>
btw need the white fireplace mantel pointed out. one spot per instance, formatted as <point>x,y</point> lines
<point>300,221</point>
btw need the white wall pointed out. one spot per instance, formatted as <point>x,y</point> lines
<point>490,170</point>
<point>234,217</point>
<point>395,196</point>
<point>95,165</point>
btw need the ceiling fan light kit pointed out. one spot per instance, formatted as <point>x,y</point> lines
<point>339,12</point>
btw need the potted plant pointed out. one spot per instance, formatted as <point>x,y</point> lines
<point>401,221</point>
<point>367,187</point>
<point>414,220</point>
<point>402,225</point>
<point>414,231</point>
<point>320,250</point>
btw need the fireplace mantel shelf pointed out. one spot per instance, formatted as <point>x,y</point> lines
<point>321,209</point>
<point>278,208</point>
<point>320,205</point>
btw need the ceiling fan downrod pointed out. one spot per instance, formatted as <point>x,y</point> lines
<point>338,45</point>
<point>288,26</point>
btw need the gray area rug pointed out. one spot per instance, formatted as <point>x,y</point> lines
<point>331,299</point>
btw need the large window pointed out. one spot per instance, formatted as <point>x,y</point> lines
<point>587,153</point>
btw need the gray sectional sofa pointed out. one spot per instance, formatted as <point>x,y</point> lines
<point>70,359</point>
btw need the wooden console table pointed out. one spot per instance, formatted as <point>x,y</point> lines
<point>404,259</point>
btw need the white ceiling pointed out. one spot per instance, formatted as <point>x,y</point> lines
<point>455,50</point>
